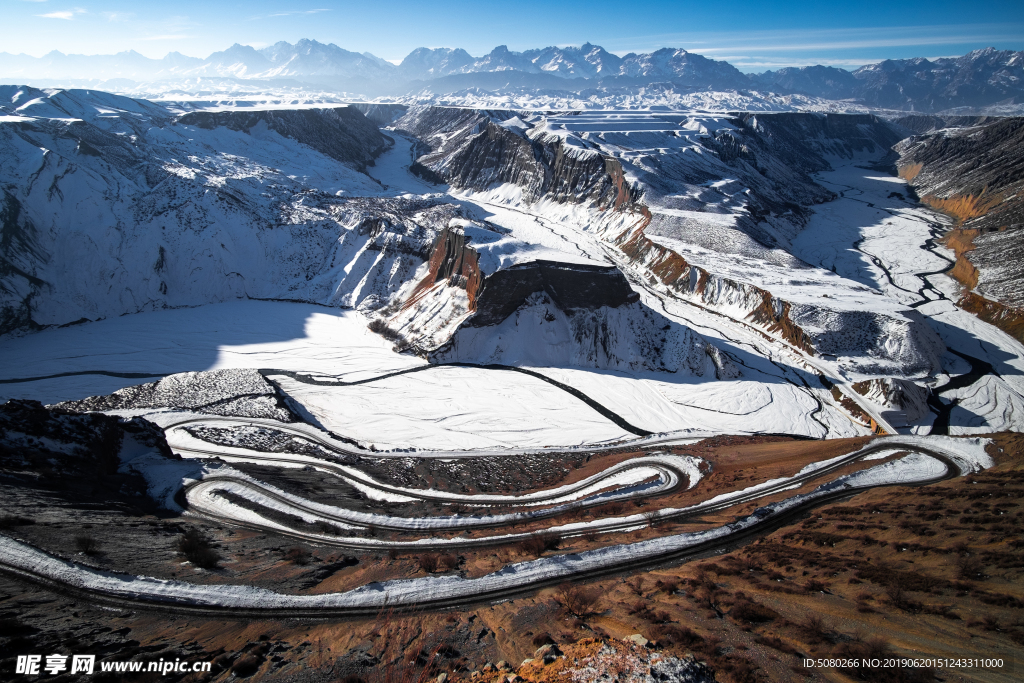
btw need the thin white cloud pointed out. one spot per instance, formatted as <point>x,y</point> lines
<point>67,15</point>
<point>732,42</point>
<point>308,11</point>
<point>119,16</point>
<point>847,45</point>
<point>289,14</point>
<point>167,37</point>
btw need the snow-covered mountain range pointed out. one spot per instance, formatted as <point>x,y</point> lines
<point>980,79</point>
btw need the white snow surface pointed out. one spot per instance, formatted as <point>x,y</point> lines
<point>890,232</point>
<point>164,477</point>
<point>452,408</point>
<point>236,334</point>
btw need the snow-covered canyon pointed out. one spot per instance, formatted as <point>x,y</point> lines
<point>689,273</point>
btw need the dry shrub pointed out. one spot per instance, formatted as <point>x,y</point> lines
<point>740,670</point>
<point>776,643</point>
<point>670,585</point>
<point>447,562</point>
<point>325,527</point>
<point>816,631</point>
<point>198,549</point>
<point>680,636</point>
<point>636,585</point>
<point>969,568</point>
<point>640,609</point>
<point>611,509</point>
<point>429,562</point>
<point>87,545</point>
<point>298,555</point>
<point>579,601</point>
<point>752,612</point>
<point>536,544</point>
<point>895,591</point>
<point>710,598</point>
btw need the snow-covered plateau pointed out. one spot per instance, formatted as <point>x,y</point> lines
<point>440,278</point>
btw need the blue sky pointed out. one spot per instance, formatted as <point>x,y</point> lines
<point>752,35</point>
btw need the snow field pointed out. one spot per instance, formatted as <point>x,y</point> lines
<point>455,408</point>
<point>236,334</point>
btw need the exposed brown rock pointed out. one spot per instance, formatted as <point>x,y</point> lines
<point>673,270</point>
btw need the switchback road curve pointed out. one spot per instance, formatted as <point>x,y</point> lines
<point>439,592</point>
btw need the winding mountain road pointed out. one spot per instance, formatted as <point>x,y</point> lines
<point>449,592</point>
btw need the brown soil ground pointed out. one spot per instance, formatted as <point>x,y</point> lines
<point>914,571</point>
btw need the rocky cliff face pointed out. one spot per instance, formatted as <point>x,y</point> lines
<point>975,174</point>
<point>541,313</point>
<point>477,149</point>
<point>903,402</point>
<point>727,188</point>
<point>542,331</point>
<point>341,133</point>
<point>380,114</point>
<point>925,123</point>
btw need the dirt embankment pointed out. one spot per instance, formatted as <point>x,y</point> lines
<point>974,175</point>
<point>674,271</point>
<point>1007,318</point>
<point>963,208</point>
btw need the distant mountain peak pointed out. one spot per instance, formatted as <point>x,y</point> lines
<point>980,78</point>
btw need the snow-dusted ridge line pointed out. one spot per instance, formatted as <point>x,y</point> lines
<point>934,462</point>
